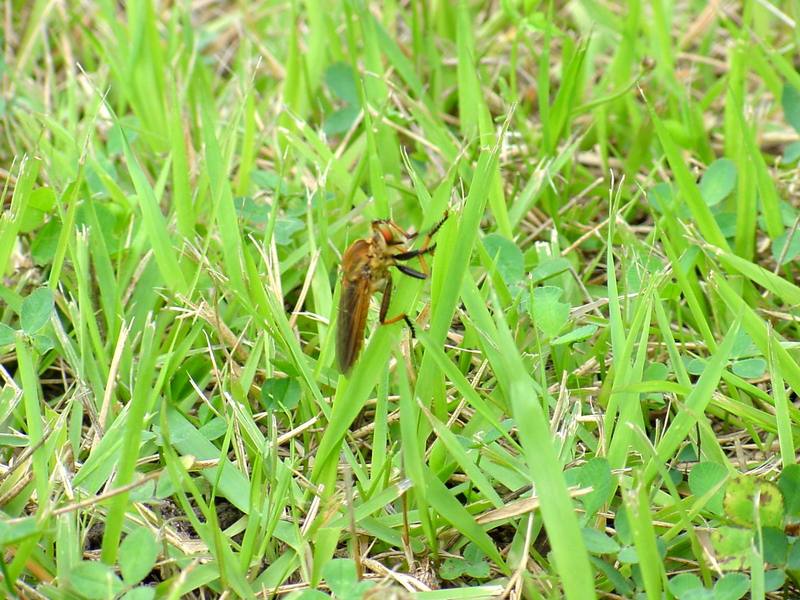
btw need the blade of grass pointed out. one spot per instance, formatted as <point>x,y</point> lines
<point>782,418</point>
<point>695,406</point>
<point>134,424</point>
<point>690,193</point>
<point>10,221</point>
<point>571,558</point>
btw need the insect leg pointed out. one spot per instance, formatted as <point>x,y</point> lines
<point>436,227</point>
<point>401,231</point>
<point>411,272</point>
<point>387,298</point>
<point>426,248</point>
<point>405,318</point>
<point>413,235</point>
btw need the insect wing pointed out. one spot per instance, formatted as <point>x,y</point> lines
<point>353,309</point>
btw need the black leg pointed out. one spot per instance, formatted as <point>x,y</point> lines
<point>438,225</point>
<point>385,301</point>
<point>411,272</point>
<point>410,325</point>
<point>414,253</point>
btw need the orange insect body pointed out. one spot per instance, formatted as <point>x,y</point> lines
<point>365,267</point>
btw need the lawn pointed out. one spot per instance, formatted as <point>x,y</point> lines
<point>600,393</point>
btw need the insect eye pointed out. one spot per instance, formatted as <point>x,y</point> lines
<point>387,234</point>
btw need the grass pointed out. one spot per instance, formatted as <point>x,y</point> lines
<point>602,396</point>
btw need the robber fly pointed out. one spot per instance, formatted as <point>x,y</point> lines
<point>365,268</point>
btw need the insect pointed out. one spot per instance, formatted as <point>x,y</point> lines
<point>365,267</point>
